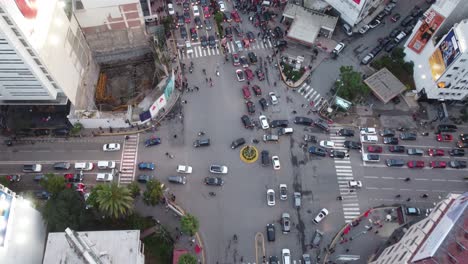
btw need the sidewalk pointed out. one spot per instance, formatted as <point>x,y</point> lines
<point>362,238</point>
<point>170,220</point>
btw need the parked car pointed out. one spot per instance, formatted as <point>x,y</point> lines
<point>146,166</point>
<point>415,151</point>
<point>387,133</point>
<point>144,178</point>
<point>412,211</point>
<point>435,152</point>
<point>444,137</point>
<point>413,164</point>
<point>321,215</point>
<point>395,162</point>
<point>214,181</point>
<point>271,197</point>
<point>237,143</point>
<point>276,162</point>
<point>201,143</point>
<point>339,47</point>
<point>438,164</point>
<point>303,121</point>
<point>364,29</point>
<point>352,144</point>
<point>265,155</point>
<point>62,166</point>
<point>184,169</point>
<point>111,147</point>
<point>286,223</point>
<point>270,230</point>
<point>256,90</point>
<point>279,123</point>
<point>408,136</point>
<point>273,98</point>
<point>396,149</point>
<point>368,131</point>
<point>219,169</point>
<point>457,152</point>
<point>374,149</point>
<point>390,140</point>
<point>374,23</point>
<point>457,164</point>
<point>264,122</point>
<point>247,122</point>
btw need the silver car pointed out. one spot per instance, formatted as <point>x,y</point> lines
<point>286,223</point>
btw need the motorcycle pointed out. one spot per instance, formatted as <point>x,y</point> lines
<point>201,133</point>
<point>217,73</point>
<point>425,134</point>
<point>190,69</point>
<point>255,141</point>
<point>212,194</point>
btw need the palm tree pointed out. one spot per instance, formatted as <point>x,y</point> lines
<point>113,200</point>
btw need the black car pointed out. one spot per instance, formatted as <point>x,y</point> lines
<point>180,21</point>
<point>387,133</point>
<point>381,15</point>
<point>237,143</point>
<point>376,50</point>
<point>252,58</point>
<point>198,22</point>
<point>346,132</point>
<point>278,32</point>
<point>144,178</point>
<point>447,128</point>
<point>270,230</point>
<point>416,12</point>
<point>215,181</point>
<point>457,152</point>
<point>212,41</point>
<point>263,103</point>
<point>62,166</point>
<point>405,22</point>
<point>227,16</point>
<point>352,144</point>
<point>281,44</point>
<point>462,144</point>
<point>204,42</point>
<point>228,32</point>
<point>303,121</point>
<point>464,137</point>
<point>41,132</point>
<point>208,24</point>
<point>408,136</point>
<point>250,107</point>
<point>457,164</point>
<point>390,46</point>
<point>310,138</point>
<point>395,162</point>
<point>204,3</point>
<point>265,158</point>
<point>322,124</point>
<point>317,151</point>
<point>183,33</point>
<point>250,35</point>
<point>390,140</point>
<point>42,195</point>
<point>337,154</point>
<point>273,260</point>
<point>396,149</point>
<point>279,123</point>
<point>385,41</point>
<point>395,32</point>
<point>186,6</point>
<point>247,121</point>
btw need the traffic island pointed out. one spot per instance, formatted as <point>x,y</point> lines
<point>249,154</point>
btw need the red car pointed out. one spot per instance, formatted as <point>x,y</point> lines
<point>249,74</point>
<point>246,92</point>
<point>374,149</point>
<point>435,152</point>
<point>206,12</point>
<point>438,164</point>
<point>235,59</point>
<point>414,164</point>
<point>79,187</point>
<point>187,17</point>
<point>236,16</point>
<point>257,91</point>
<point>444,137</point>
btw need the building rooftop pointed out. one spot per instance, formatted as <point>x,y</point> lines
<point>385,85</point>
<point>307,23</point>
<point>115,247</point>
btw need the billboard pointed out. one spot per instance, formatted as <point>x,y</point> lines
<point>432,21</point>
<point>444,55</point>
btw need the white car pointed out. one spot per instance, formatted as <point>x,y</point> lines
<point>364,29</point>
<point>274,98</point>
<point>238,45</point>
<point>368,131</point>
<point>283,192</point>
<point>286,255</point>
<point>184,169</point>
<point>240,75</point>
<point>355,184</point>
<point>321,216</point>
<point>170,8</point>
<point>271,197</point>
<point>196,11</point>
<point>327,144</point>
<point>218,169</point>
<point>188,47</point>
<point>264,122</point>
<point>111,147</point>
<point>104,177</point>
<point>339,47</point>
<point>222,6</point>
<point>276,162</point>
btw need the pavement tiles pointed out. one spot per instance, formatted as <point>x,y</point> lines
<point>344,174</point>
<point>129,158</point>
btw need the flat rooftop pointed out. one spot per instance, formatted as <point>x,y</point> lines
<point>109,246</point>
<point>385,85</point>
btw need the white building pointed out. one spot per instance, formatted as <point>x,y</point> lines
<point>354,11</point>
<point>441,237</point>
<point>438,48</point>
<point>118,247</point>
<point>43,54</point>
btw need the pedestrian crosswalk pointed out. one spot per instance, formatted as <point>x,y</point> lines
<point>344,174</point>
<point>199,51</point>
<point>129,158</point>
<point>310,94</point>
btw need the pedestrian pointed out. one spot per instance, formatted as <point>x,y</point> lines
<point>206,79</point>
<point>210,79</point>
<point>175,136</point>
<point>409,199</point>
<point>258,35</point>
<point>347,250</point>
<point>196,88</point>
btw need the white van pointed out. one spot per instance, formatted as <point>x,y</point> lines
<point>369,139</point>
<point>102,165</point>
<point>285,131</point>
<point>86,166</point>
<point>286,254</point>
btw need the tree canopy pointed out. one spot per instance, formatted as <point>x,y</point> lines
<point>54,184</point>
<point>350,85</point>
<point>189,224</point>
<point>187,259</point>
<point>154,192</point>
<point>111,200</point>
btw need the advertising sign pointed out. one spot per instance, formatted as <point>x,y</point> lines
<point>432,21</point>
<point>158,105</point>
<point>444,55</point>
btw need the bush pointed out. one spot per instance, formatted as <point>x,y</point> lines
<point>187,259</point>
<point>77,127</point>
<point>189,224</point>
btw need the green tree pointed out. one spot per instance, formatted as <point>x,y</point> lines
<point>153,193</point>
<point>350,85</point>
<point>187,259</point>
<point>111,200</point>
<point>67,209</point>
<point>4,181</point>
<point>54,184</point>
<point>189,224</point>
<point>219,17</point>
<point>134,189</point>
<point>77,127</point>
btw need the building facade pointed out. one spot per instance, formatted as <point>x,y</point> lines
<point>439,238</point>
<point>438,49</point>
<point>354,11</point>
<point>43,53</point>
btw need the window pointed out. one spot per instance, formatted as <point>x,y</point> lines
<point>24,42</point>
<point>50,78</point>
<point>402,256</point>
<point>16,32</point>
<point>7,20</point>
<point>441,93</point>
<point>38,62</point>
<point>458,94</point>
<point>449,75</point>
<point>44,70</point>
<point>456,68</point>
<point>31,53</point>
<point>462,60</point>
